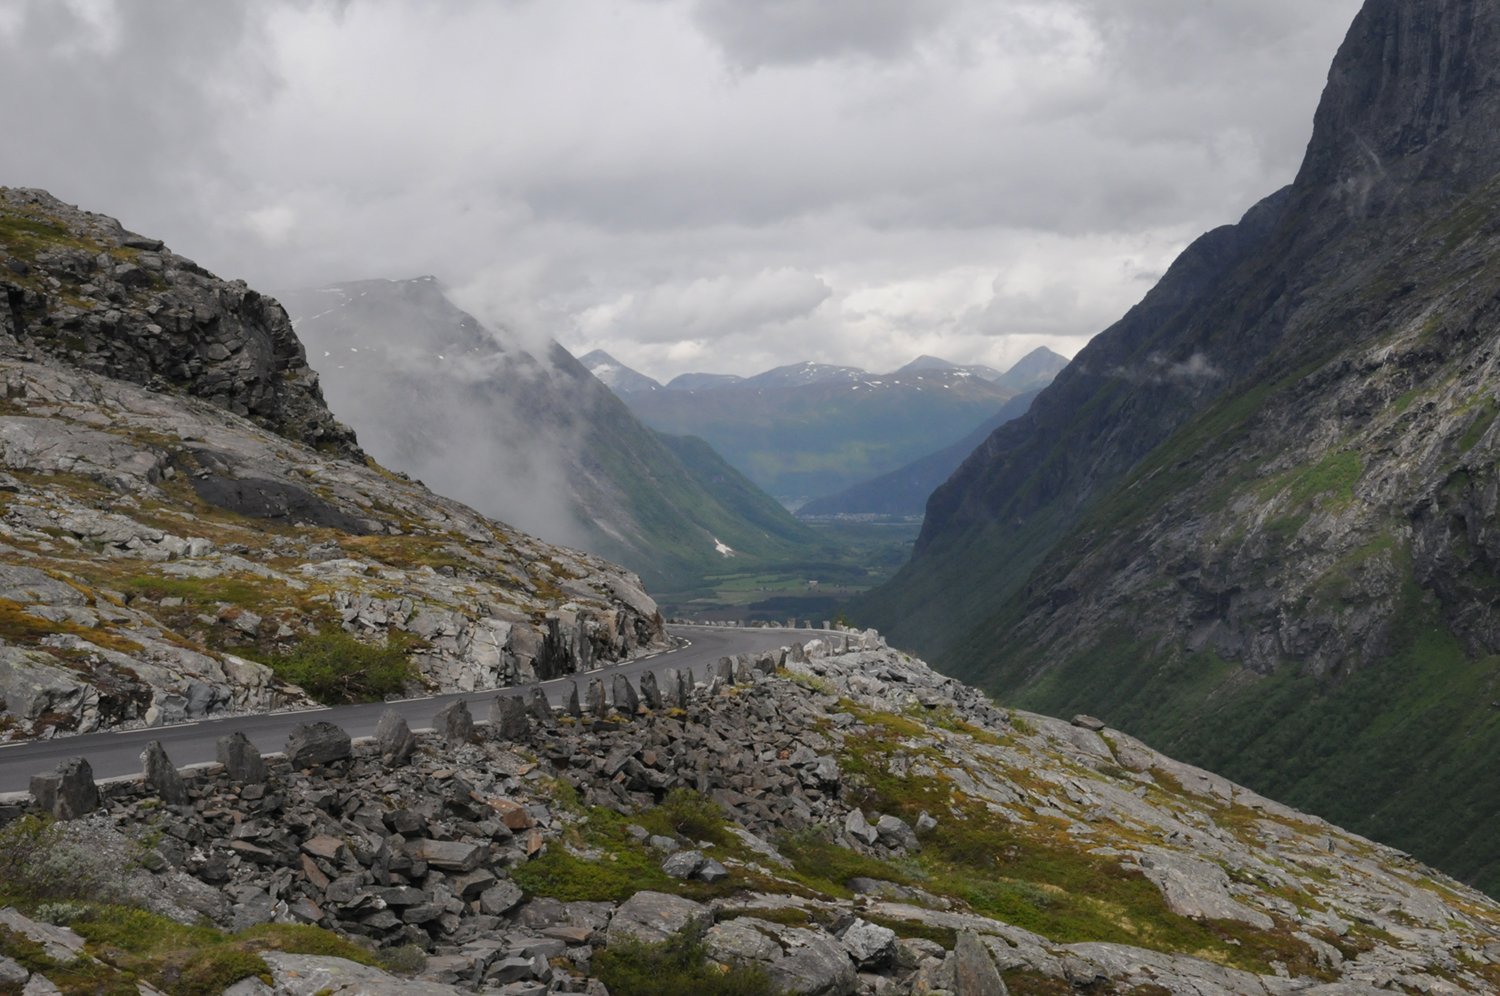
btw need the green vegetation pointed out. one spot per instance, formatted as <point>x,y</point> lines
<point>332,666</point>
<point>1033,876</point>
<point>1390,749</point>
<point>678,966</point>
<point>20,627</point>
<point>618,865</point>
<point>843,560</point>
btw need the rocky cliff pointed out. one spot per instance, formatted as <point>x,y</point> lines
<point>833,818</point>
<point>1251,521</point>
<point>187,530</point>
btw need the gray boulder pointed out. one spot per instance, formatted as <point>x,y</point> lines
<point>870,945</point>
<point>455,724</point>
<point>541,708</point>
<point>655,916</point>
<point>683,864</point>
<point>68,791</point>
<point>508,718</point>
<point>816,964</point>
<point>317,743</point>
<point>650,691</point>
<point>574,707</point>
<point>241,759</point>
<point>894,833</point>
<point>394,739</point>
<point>974,971</point>
<point>627,702</point>
<point>856,826</point>
<point>161,775</point>
<point>598,702</point>
<point>502,897</point>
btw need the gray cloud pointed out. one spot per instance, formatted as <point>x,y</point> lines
<point>687,183</point>
<point>774,32</point>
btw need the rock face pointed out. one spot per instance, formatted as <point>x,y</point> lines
<point>81,288</point>
<point>154,539</point>
<point>1260,505</point>
<point>478,855</point>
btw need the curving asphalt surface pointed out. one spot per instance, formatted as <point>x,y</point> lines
<point>117,753</point>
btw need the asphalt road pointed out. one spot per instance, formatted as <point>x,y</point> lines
<point>118,753</point>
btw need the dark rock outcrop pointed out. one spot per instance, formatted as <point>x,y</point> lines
<point>116,303</point>
<point>1267,492</point>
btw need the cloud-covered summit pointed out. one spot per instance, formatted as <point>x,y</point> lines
<point>690,184</point>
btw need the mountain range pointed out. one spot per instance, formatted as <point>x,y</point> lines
<point>1253,520</point>
<point>525,433</point>
<point>812,429</point>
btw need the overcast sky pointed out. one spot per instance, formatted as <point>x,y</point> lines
<point>720,185</point>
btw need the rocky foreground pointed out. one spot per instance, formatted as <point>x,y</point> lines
<point>843,820</point>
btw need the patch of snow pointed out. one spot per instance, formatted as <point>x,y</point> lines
<point>722,549</point>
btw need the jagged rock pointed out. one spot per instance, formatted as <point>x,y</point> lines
<point>744,939</point>
<point>508,719</point>
<point>711,871</point>
<point>161,775</point>
<point>394,739</point>
<point>655,916</point>
<point>455,723</point>
<point>974,971</point>
<point>870,945</point>
<point>626,700</point>
<point>815,963</point>
<point>650,692</point>
<point>241,759</point>
<point>1089,722</point>
<point>68,791</point>
<point>448,855</point>
<point>598,702</point>
<point>500,898</point>
<point>541,708</point>
<point>683,864</point>
<point>856,826</point>
<point>894,833</point>
<point>574,708</point>
<point>316,743</point>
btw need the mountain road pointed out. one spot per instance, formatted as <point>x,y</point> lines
<point>118,752</point>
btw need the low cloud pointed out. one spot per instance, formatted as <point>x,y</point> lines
<point>683,182</point>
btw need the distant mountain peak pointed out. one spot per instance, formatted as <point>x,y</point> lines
<point>616,375</point>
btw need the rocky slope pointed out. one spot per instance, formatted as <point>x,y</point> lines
<point>530,436</point>
<point>178,500</point>
<point>1251,521</point>
<point>835,818</point>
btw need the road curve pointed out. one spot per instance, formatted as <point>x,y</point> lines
<point>116,753</point>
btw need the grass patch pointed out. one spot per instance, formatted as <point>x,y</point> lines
<point>21,628</point>
<point>678,966</point>
<point>625,865</point>
<point>333,667</point>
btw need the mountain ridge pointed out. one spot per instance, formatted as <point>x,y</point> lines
<point>529,434</point>
<point>1275,562</point>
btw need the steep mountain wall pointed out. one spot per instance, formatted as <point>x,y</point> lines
<point>1283,564</point>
